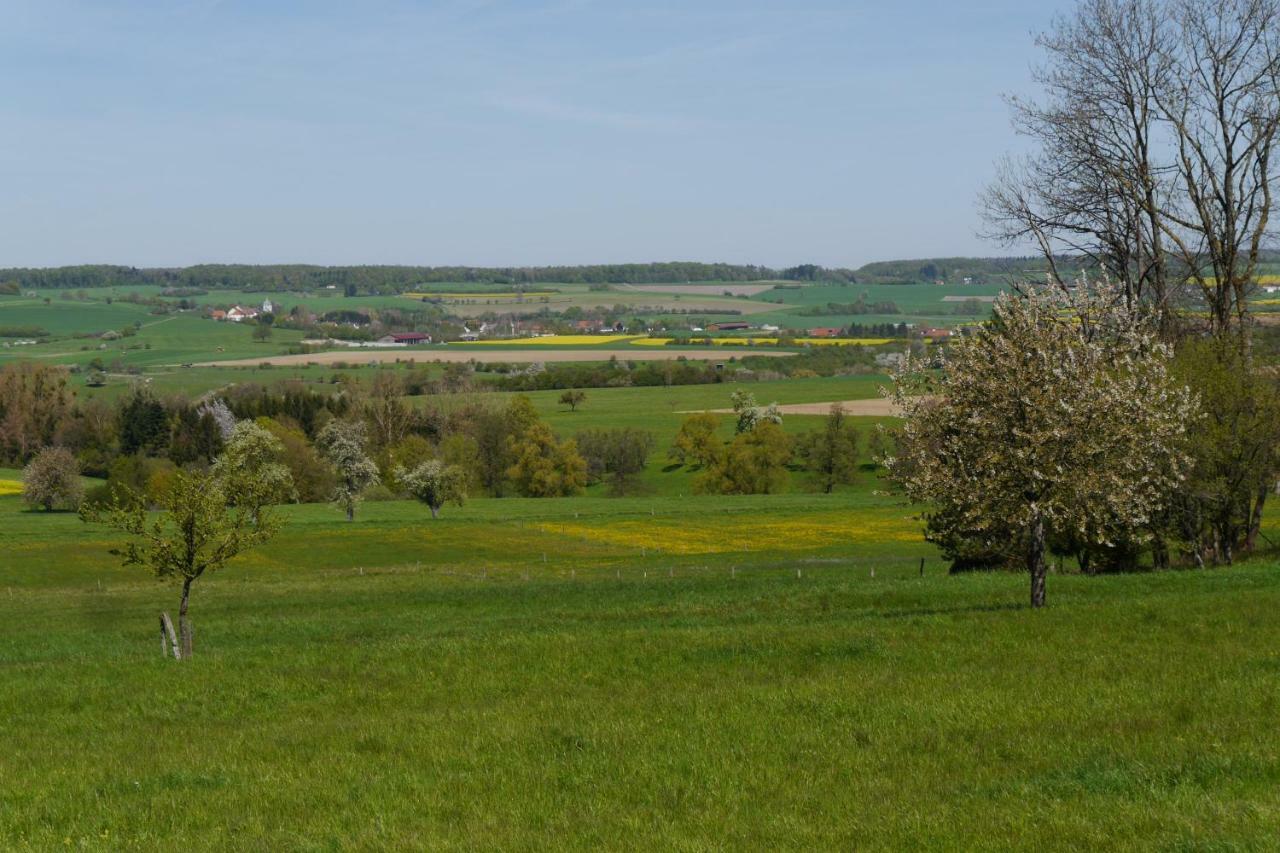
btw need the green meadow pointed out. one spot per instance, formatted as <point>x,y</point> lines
<point>703,673</point>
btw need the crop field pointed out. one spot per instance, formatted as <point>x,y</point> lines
<point>593,672</point>
<point>555,341</point>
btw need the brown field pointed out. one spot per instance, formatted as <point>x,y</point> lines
<point>699,289</point>
<point>390,356</point>
<point>875,407</point>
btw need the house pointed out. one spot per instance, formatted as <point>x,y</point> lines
<point>468,335</point>
<point>936,335</point>
<point>238,313</point>
<point>824,333</point>
<point>404,339</point>
<point>218,314</point>
<point>769,327</point>
<point>735,326</point>
<point>267,307</point>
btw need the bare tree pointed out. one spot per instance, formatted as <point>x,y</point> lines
<point>1094,187</point>
<point>1154,134</point>
<point>1221,102</point>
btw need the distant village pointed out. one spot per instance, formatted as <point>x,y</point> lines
<point>515,329</point>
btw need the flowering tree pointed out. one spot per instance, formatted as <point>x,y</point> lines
<point>343,444</point>
<point>250,466</point>
<point>52,479</point>
<point>1056,418</point>
<point>435,484</point>
<point>751,415</point>
<point>222,416</point>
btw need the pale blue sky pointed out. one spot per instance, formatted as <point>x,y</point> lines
<point>494,133</point>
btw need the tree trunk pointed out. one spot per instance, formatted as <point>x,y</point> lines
<point>1035,560</point>
<point>1160,553</point>
<point>351,512</point>
<point>1255,520</point>
<point>185,629</point>
<point>435,511</point>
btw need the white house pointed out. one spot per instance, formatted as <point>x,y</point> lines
<point>267,307</point>
<point>238,313</point>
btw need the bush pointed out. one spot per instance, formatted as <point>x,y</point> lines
<point>52,479</point>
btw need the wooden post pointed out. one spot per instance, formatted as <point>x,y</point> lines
<point>167,633</point>
<point>922,567</point>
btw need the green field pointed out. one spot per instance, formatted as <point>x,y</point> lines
<point>704,673</point>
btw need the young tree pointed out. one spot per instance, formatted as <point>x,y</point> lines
<point>388,415</point>
<point>435,484</point>
<point>35,406</point>
<point>750,415</point>
<point>616,453</point>
<point>194,533</point>
<point>194,437</point>
<point>220,413</point>
<point>144,425</point>
<point>831,453</point>
<point>343,445</point>
<point>696,442</point>
<point>1236,447</point>
<point>545,467</point>
<point>251,468</point>
<point>573,398</point>
<point>261,332</point>
<point>1038,426</point>
<point>52,479</point>
<point>312,476</point>
<point>494,431</point>
<point>754,463</point>
<point>406,455</point>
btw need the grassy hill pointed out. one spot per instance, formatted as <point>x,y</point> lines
<point>533,673</point>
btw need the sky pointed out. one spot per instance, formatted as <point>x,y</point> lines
<point>481,133</point>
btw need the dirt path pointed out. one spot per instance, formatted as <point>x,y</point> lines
<point>875,407</point>
<point>522,356</point>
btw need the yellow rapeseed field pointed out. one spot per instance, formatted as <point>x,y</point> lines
<point>554,340</point>
<point>865,342</point>
<point>10,487</point>
<point>715,536</point>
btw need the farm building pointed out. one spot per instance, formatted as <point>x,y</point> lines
<point>238,313</point>
<point>404,339</point>
<point>824,333</point>
<point>735,326</point>
<point>936,335</point>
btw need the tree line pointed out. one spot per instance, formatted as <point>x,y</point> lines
<point>398,279</point>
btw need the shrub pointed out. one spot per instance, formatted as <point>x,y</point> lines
<point>52,479</point>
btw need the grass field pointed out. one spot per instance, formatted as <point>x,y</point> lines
<point>531,674</point>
